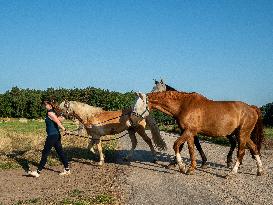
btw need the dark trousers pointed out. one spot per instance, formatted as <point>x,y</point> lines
<point>53,141</point>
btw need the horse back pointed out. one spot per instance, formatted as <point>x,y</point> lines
<point>216,118</point>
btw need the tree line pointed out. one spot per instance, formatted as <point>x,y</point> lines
<point>27,103</point>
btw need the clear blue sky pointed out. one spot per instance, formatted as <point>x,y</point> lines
<point>221,49</point>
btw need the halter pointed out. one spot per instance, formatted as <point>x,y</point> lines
<point>146,110</point>
<point>67,106</point>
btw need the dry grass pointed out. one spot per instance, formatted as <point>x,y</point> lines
<point>21,144</point>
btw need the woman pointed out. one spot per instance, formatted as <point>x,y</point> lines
<point>53,140</point>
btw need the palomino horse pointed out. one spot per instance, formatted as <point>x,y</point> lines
<point>113,122</point>
<point>199,115</point>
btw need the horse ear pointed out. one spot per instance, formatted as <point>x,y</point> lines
<point>156,82</point>
<point>161,81</point>
<point>141,95</point>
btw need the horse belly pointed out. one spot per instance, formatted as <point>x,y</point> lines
<point>109,129</point>
<point>220,127</point>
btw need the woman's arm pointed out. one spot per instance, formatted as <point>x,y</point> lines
<point>54,117</point>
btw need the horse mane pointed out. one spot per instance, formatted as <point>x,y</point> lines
<point>169,88</point>
<point>176,95</point>
<point>86,111</point>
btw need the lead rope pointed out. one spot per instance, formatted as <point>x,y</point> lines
<point>83,136</point>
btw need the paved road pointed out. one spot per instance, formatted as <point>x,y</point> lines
<point>149,183</point>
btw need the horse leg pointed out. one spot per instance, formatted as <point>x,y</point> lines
<point>174,161</point>
<point>255,153</point>
<point>192,155</point>
<point>91,146</point>
<point>134,143</point>
<point>142,133</point>
<point>184,137</point>
<point>244,136</point>
<point>201,152</point>
<point>232,141</point>
<point>99,147</point>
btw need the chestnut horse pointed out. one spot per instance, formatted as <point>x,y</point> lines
<point>102,123</point>
<point>199,115</point>
<point>160,86</point>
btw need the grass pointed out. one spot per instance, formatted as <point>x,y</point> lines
<point>29,201</point>
<point>21,144</point>
<point>269,132</point>
<point>78,197</point>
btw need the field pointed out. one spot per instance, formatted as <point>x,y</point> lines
<point>21,143</point>
<point>20,149</point>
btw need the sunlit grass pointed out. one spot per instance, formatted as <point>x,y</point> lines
<point>21,144</point>
<point>77,197</point>
<point>268,132</point>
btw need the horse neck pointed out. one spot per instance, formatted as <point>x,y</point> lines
<point>77,112</point>
<point>167,104</point>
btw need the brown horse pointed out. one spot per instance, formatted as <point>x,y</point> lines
<point>161,86</point>
<point>199,115</point>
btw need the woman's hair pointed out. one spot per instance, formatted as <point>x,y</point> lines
<point>50,102</point>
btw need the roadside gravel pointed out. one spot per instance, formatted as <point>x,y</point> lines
<point>149,183</point>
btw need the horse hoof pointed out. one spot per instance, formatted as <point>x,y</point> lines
<point>230,175</point>
<point>182,169</point>
<point>204,166</point>
<point>155,161</point>
<point>171,165</point>
<point>100,163</point>
<point>260,173</point>
<point>190,172</point>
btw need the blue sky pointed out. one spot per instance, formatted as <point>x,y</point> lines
<point>221,49</point>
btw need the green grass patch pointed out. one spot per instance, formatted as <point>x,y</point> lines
<point>21,144</point>
<point>268,132</point>
<point>75,193</point>
<point>29,201</point>
<point>9,165</point>
<point>104,199</point>
<point>34,127</point>
<point>76,197</point>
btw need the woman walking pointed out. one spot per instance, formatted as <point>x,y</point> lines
<point>53,139</point>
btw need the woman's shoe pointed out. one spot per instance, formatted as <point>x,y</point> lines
<point>65,172</point>
<point>34,173</point>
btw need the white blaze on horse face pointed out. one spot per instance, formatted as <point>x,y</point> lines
<point>140,106</point>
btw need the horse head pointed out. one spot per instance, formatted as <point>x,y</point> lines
<point>66,108</point>
<point>160,86</point>
<point>140,108</point>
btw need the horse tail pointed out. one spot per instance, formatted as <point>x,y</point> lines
<point>257,134</point>
<point>157,138</point>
